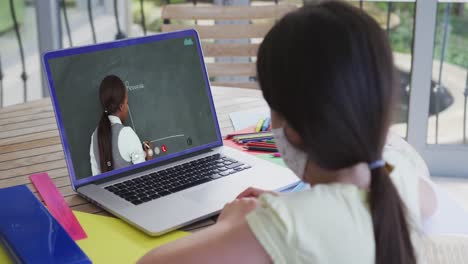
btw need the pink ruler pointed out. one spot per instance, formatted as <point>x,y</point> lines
<point>57,205</point>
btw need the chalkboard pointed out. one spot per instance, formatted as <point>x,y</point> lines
<point>168,99</point>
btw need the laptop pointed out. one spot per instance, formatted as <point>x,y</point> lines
<point>191,175</point>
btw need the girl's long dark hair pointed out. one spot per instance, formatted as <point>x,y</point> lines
<point>112,93</point>
<point>328,70</point>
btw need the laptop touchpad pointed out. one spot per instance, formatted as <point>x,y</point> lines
<point>219,194</point>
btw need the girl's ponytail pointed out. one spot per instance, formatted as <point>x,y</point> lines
<point>391,232</point>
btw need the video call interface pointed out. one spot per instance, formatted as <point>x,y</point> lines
<point>168,100</point>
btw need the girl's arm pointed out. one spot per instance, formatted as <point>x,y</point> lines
<point>228,241</point>
<point>130,146</point>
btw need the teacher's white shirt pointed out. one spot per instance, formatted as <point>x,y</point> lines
<point>128,143</point>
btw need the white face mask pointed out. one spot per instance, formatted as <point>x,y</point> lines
<point>295,159</point>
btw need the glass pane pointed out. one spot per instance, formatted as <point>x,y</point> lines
<point>84,25</point>
<point>80,25</point>
<point>397,19</point>
<point>447,111</point>
<point>12,86</point>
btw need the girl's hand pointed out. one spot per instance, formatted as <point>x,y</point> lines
<point>235,211</point>
<point>252,192</point>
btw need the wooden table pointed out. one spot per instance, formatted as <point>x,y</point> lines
<point>30,143</point>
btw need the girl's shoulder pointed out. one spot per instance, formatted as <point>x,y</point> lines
<point>320,207</point>
<point>127,131</point>
<point>322,224</point>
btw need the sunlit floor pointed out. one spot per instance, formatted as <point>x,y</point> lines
<point>451,119</point>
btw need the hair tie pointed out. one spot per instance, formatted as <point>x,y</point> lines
<point>105,111</point>
<point>377,164</point>
<point>109,164</point>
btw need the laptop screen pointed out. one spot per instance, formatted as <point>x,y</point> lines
<point>165,110</point>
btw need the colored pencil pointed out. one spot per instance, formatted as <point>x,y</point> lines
<point>259,126</point>
<point>252,135</point>
<point>260,144</point>
<point>262,149</point>
<point>252,139</point>
<point>266,124</point>
<point>243,141</point>
<point>232,135</point>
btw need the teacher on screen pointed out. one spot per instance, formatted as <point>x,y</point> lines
<point>113,145</point>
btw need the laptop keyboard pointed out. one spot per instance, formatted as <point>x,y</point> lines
<point>158,184</point>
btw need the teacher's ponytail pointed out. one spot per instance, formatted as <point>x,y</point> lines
<point>112,94</point>
<point>105,143</point>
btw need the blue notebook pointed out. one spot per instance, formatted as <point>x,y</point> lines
<point>31,234</point>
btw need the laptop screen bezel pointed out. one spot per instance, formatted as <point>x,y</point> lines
<point>76,183</point>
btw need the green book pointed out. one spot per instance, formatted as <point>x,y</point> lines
<point>269,157</point>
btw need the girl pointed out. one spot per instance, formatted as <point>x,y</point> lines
<point>113,145</point>
<point>327,74</point>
